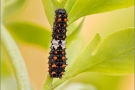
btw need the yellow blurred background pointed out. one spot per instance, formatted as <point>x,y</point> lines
<point>105,23</point>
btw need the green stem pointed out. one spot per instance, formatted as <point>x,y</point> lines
<point>48,83</point>
<point>16,60</point>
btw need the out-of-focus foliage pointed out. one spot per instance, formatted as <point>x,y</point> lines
<point>16,60</point>
<point>49,10</point>
<point>12,7</point>
<point>5,71</point>
<point>30,32</point>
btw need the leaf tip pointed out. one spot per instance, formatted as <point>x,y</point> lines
<point>98,36</point>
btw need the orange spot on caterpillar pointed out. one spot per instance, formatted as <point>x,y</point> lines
<point>63,58</point>
<point>54,66</point>
<point>54,58</point>
<point>63,66</point>
<point>59,20</point>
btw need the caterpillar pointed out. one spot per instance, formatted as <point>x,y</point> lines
<point>57,58</point>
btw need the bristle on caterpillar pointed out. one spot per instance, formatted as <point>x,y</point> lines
<point>57,58</point>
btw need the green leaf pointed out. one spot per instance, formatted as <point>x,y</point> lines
<point>74,49</point>
<point>48,83</point>
<point>79,8</point>
<point>11,7</point>
<point>50,6</point>
<point>115,55</point>
<point>79,86</point>
<point>62,3</point>
<point>79,62</point>
<point>75,33</point>
<point>16,59</point>
<point>49,10</point>
<point>59,3</point>
<point>30,32</point>
<point>74,38</point>
<point>83,58</point>
<point>71,28</point>
<point>69,5</point>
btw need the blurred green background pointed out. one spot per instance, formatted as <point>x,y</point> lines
<point>36,56</point>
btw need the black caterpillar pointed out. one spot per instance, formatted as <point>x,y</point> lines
<point>57,58</point>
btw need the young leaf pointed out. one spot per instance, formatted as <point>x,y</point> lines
<point>62,3</point>
<point>74,49</point>
<point>80,8</point>
<point>115,55</point>
<point>50,6</point>
<point>75,33</point>
<point>30,32</point>
<point>71,28</point>
<point>74,39</point>
<point>48,83</point>
<point>12,7</point>
<point>16,60</point>
<point>69,5</point>
<point>83,59</point>
<point>59,3</point>
<point>49,10</point>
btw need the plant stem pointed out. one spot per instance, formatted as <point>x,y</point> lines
<point>48,83</point>
<point>16,60</point>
